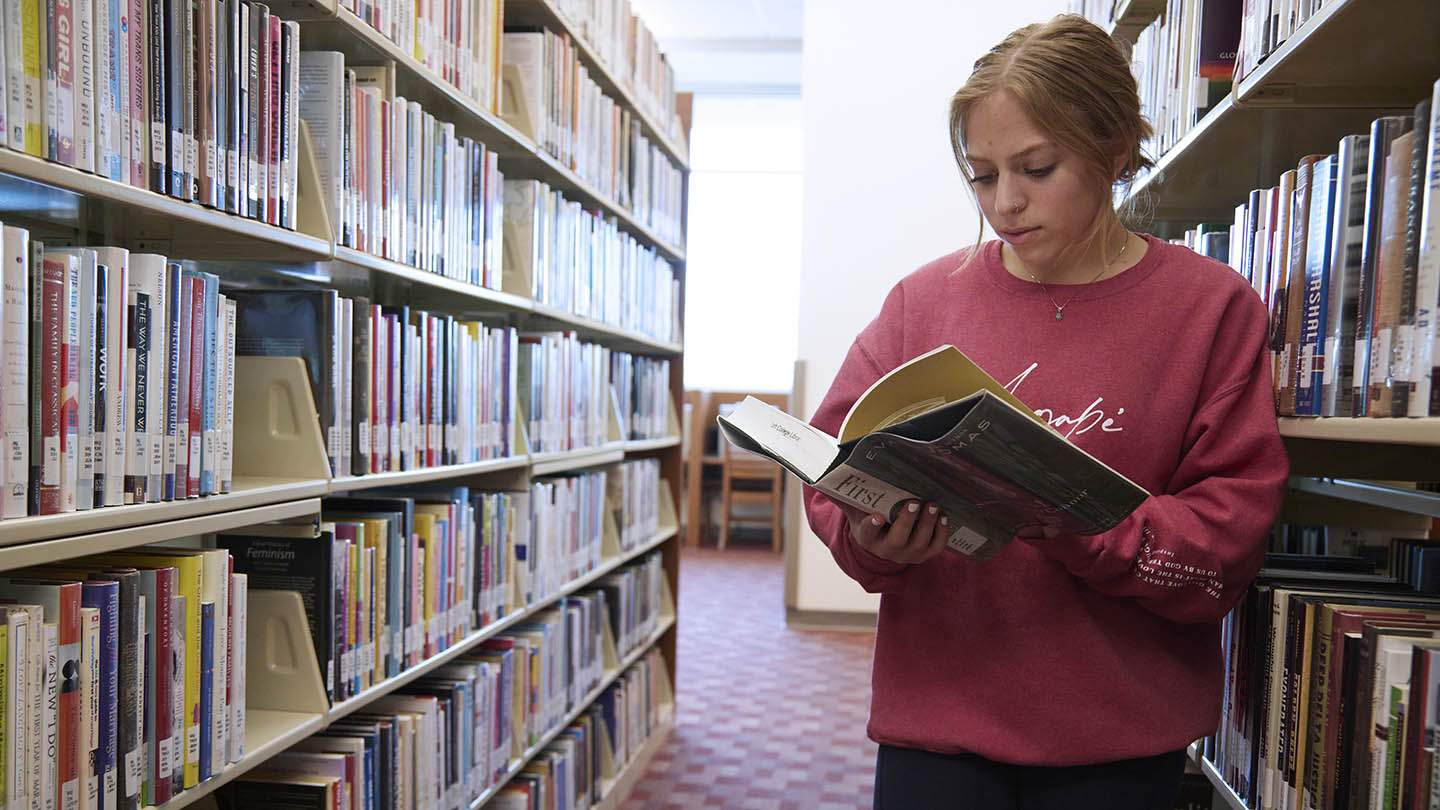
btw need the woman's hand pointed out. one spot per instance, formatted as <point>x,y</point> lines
<point>918,533</point>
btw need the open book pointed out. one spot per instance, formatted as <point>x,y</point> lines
<point>938,428</point>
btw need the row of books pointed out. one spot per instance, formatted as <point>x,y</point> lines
<point>567,531</point>
<point>442,741</point>
<point>1330,700</point>
<point>1184,62</point>
<point>399,183</point>
<point>568,773</point>
<point>392,578</point>
<point>196,101</point>
<point>642,390</point>
<point>1344,252</point>
<point>126,397</point>
<point>396,389</point>
<point>458,41</point>
<point>631,53</point>
<point>580,261</point>
<point>635,501</point>
<point>564,391</point>
<point>124,677</point>
<point>558,105</point>
<point>1266,25</point>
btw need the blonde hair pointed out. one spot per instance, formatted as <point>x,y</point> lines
<point>1075,84</point>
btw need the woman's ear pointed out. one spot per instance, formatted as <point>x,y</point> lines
<point>1119,157</point>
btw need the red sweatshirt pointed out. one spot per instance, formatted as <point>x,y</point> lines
<point>1079,650</point>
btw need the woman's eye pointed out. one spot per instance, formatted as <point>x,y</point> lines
<point>983,180</point>
<point>1041,172</point>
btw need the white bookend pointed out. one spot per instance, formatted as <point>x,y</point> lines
<point>119,372</point>
<point>15,382</point>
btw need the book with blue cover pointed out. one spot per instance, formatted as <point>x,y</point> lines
<point>207,687</point>
<point>105,596</point>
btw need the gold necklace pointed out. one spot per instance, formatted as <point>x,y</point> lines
<point>1060,308</point>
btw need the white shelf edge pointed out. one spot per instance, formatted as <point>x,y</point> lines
<point>1404,500</point>
<point>302,726</point>
<point>1231,798</point>
<point>1249,87</point>
<point>549,463</point>
<point>90,186</point>
<point>610,330</point>
<point>356,483</point>
<point>1423,431</point>
<point>609,677</point>
<point>62,548</point>
<point>642,445</point>
<point>245,493</point>
<point>415,275</point>
<point>1156,175</point>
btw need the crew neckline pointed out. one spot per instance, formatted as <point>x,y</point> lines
<point>994,266</point>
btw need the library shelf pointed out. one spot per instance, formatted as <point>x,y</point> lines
<point>1312,91</point>
<point>550,463</point>
<point>1410,501</point>
<point>423,287</point>
<point>616,337</point>
<point>1423,431</point>
<point>466,644</point>
<point>362,43</point>
<point>425,474</point>
<point>664,625</point>
<point>267,733</point>
<point>1329,61</point>
<point>614,792</point>
<point>1224,791</point>
<point>114,538</point>
<point>1132,16</point>
<point>646,445</point>
<point>541,12</point>
<point>35,189</point>
<point>245,493</point>
<point>545,166</point>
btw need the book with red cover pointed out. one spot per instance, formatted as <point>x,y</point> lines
<point>197,382</point>
<point>52,376</point>
<point>61,599</point>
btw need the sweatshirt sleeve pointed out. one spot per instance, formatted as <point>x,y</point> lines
<point>1189,553</point>
<point>860,369</point>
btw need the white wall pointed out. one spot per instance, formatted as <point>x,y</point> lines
<point>743,245</point>
<point>882,193</point>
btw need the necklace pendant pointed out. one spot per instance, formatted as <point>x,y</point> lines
<point>1059,315</point>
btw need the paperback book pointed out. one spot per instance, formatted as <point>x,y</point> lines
<point>940,429</point>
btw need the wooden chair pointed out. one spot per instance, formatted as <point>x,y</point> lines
<point>748,479</point>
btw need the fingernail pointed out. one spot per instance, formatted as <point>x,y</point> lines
<point>876,521</point>
<point>914,507</point>
<point>944,521</point>
<point>932,509</point>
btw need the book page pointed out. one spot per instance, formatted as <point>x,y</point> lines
<point>758,426</point>
<point>933,379</point>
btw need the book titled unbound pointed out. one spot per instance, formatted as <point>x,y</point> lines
<point>939,429</point>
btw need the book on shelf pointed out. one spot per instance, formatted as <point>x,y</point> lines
<point>938,428</point>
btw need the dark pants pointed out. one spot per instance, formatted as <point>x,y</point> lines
<point>909,779</point>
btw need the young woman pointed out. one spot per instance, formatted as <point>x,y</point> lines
<point>1066,671</point>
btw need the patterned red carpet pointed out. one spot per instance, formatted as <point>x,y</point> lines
<point>767,718</point>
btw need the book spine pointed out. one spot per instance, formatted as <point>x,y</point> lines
<point>139,151</point>
<point>70,383</point>
<point>209,445</point>
<point>86,378</point>
<point>15,277</point>
<point>91,708</point>
<point>136,398</point>
<point>197,378</point>
<point>1427,315</point>
<point>85,109</point>
<point>102,597</point>
<point>174,279</point>
<point>182,388</point>
<point>239,612</point>
<point>207,685</point>
<point>51,382</point>
<point>118,374</point>
<point>189,79</point>
<point>14,135</point>
<point>49,777</point>
<point>159,25</point>
<point>273,58</point>
<point>179,703</point>
<point>226,429</point>
<point>168,661</point>
<point>126,638</point>
<point>100,406</point>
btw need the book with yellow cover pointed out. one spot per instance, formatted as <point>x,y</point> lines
<point>940,429</point>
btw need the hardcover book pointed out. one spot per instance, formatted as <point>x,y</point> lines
<point>940,429</point>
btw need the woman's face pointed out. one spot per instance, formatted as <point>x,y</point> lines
<point>1040,199</point>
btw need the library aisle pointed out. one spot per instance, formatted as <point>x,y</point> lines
<point>767,718</point>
